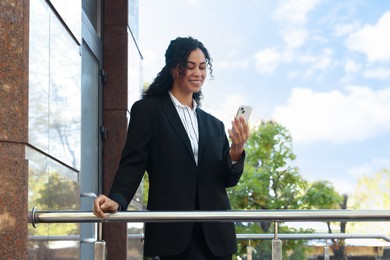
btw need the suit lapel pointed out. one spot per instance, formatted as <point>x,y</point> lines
<point>175,121</point>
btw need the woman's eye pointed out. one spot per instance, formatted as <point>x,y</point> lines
<point>193,66</point>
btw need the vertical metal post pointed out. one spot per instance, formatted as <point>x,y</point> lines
<point>88,231</point>
<point>249,250</point>
<point>326,252</point>
<point>276,244</point>
<point>100,245</point>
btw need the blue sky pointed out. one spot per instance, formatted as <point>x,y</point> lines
<point>321,68</point>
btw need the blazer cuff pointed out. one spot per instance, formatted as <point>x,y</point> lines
<point>118,198</point>
<point>233,163</point>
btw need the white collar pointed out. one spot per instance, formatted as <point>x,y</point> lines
<point>178,104</point>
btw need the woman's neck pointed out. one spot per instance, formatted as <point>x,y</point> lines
<point>182,97</point>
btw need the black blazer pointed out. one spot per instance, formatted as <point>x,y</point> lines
<point>158,143</point>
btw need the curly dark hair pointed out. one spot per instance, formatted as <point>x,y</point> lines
<point>177,56</point>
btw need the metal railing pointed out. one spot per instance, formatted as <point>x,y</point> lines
<point>241,236</point>
<point>35,217</point>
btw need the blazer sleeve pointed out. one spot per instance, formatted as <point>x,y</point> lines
<point>135,155</point>
<point>233,171</point>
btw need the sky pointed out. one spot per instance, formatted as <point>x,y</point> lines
<point>321,68</point>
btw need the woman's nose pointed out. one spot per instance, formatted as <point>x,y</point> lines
<point>197,71</point>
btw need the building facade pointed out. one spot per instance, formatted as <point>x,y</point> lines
<point>69,71</point>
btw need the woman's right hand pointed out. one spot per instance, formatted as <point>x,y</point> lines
<point>103,204</point>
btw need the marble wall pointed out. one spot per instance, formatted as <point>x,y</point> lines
<point>27,145</point>
<point>14,20</point>
<point>115,112</point>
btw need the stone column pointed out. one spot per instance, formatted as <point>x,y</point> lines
<point>115,111</point>
<point>14,40</point>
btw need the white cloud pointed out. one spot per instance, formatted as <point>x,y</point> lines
<point>292,15</point>
<point>377,73</point>
<point>267,60</point>
<point>320,62</point>
<point>313,64</point>
<point>231,64</point>
<point>294,11</point>
<point>351,66</point>
<point>334,116</point>
<point>373,40</point>
<point>343,185</point>
<point>295,38</point>
<point>361,170</point>
<point>346,29</point>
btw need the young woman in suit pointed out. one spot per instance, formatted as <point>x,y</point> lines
<point>188,158</point>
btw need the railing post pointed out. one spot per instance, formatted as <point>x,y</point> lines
<point>249,250</point>
<point>276,244</point>
<point>326,252</point>
<point>100,245</point>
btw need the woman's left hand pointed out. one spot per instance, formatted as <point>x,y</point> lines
<point>239,134</point>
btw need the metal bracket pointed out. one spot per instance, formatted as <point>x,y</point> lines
<point>276,229</point>
<point>103,75</point>
<point>103,132</point>
<point>33,217</point>
<point>88,194</point>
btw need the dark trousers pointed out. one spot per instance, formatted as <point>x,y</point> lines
<point>197,249</point>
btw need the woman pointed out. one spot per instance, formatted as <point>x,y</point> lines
<point>187,156</point>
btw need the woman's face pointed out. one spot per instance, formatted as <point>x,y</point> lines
<point>194,75</point>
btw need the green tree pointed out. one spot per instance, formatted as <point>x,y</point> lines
<point>269,182</point>
<point>323,195</point>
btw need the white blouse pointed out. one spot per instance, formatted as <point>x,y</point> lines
<point>190,122</point>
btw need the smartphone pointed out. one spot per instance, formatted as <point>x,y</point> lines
<point>244,112</point>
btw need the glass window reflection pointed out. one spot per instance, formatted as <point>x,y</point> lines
<point>52,186</point>
<point>54,87</point>
<point>54,129</point>
<point>39,70</point>
<point>65,96</point>
<point>70,12</point>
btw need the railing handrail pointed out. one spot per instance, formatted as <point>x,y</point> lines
<point>310,236</point>
<point>36,216</point>
<point>241,236</point>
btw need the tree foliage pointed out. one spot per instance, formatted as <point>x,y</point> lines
<point>321,195</point>
<point>271,182</point>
